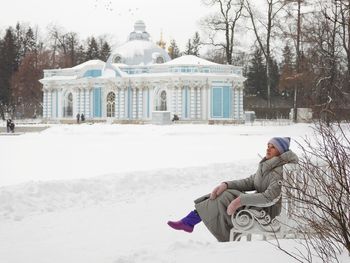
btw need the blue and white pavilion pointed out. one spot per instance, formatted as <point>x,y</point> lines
<point>138,79</point>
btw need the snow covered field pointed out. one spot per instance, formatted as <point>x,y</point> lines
<point>103,193</point>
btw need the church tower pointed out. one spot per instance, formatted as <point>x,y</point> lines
<point>161,42</point>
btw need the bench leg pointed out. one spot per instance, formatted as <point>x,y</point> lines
<point>238,236</point>
<point>249,237</point>
<point>232,233</point>
<point>235,236</point>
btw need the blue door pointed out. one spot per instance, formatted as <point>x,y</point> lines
<point>221,102</point>
<point>97,107</point>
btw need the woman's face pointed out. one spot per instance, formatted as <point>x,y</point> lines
<point>271,151</point>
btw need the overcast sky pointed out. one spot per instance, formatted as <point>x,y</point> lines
<point>177,19</point>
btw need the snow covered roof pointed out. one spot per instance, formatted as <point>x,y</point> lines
<point>139,56</point>
<point>112,70</point>
<point>190,60</point>
<point>139,49</point>
<point>62,78</point>
<point>53,78</point>
<point>94,62</point>
<point>138,52</point>
<point>170,75</point>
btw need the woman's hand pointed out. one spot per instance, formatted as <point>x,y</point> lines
<point>218,191</point>
<point>233,206</point>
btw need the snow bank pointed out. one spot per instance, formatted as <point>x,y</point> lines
<point>103,193</point>
<point>35,197</point>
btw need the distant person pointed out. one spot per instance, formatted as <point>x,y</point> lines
<point>78,118</point>
<point>175,118</point>
<point>8,125</point>
<point>82,117</point>
<point>215,209</point>
<point>12,127</point>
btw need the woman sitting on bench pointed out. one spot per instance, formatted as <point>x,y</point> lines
<point>216,209</point>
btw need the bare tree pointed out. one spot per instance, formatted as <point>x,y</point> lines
<point>298,53</point>
<point>320,193</point>
<point>64,46</point>
<point>54,33</point>
<point>264,31</point>
<point>343,20</point>
<point>224,21</point>
<point>215,55</point>
<point>326,54</point>
<point>26,89</point>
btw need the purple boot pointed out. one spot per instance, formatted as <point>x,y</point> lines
<point>187,223</point>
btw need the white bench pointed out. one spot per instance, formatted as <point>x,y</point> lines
<point>249,221</point>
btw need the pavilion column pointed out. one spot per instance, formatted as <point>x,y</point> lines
<point>174,101</point>
<point>151,101</point>
<point>206,102</point>
<point>240,104</point>
<point>146,103</point>
<point>54,103</point>
<point>134,103</point>
<point>122,103</point>
<point>89,103</point>
<point>117,104</point>
<point>49,104</point>
<point>75,101</point>
<point>81,101</point>
<point>59,103</point>
<point>195,102</point>
<point>198,104</point>
<point>77,92</point>
<point>179,100</point>
<point>192,103</point>
<point>234,103</point>
<point>84,101</point>
<point>45,104</point>
<point>140,103</point>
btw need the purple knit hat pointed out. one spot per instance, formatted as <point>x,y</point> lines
<point>280,143</point>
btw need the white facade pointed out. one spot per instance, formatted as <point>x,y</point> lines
<point>139,78</point>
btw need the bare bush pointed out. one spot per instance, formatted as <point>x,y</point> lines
<point>320,193</point>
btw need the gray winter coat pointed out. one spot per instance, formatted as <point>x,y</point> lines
<point>266,183</point>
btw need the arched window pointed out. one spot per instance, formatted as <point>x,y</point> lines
<point>68,106</point>
<point>111,104</point>
<point>160,60</point>
<point>117,59</point>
